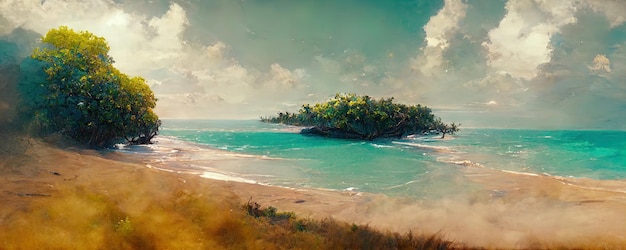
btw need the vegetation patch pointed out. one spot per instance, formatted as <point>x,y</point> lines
<point>349,116</point>
<point>70,86</point>
<point>331,234</point>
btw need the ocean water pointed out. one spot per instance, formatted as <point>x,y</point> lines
<point>421,166</point>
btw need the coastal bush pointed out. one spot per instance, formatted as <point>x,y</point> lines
<point>339,235</point>
<point>351,116</point>
<point>82,95</point>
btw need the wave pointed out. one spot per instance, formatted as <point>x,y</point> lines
<point>522,173</point>
<point>460,162</point>
<point>443,149</point>
<point>381,145</point>
<point>223,177</point>
<point>174,155</point>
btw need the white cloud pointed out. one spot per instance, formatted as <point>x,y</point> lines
<point>442,26</point>
<point>40,16</point>
<point>522,40</point>
<point>284,78</point>
<point>137,44</point>
<point>216,51</point>
<point>439,30</point>
<point>138,48</point>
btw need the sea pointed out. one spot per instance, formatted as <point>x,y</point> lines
<point>419,167</point>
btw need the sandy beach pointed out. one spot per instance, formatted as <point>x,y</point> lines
<point>514,211</point>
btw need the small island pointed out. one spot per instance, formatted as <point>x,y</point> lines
<point>351,116</point>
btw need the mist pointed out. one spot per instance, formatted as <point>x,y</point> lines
<point>511,63</point>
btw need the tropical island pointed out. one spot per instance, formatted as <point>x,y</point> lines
<point>351,116</point>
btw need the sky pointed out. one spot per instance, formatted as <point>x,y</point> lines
<point>483,63</point>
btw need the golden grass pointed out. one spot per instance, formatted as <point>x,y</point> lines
<point>79,218</point>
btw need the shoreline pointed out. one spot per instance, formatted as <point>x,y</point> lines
<point>517,212</point>
<point>569,208</point>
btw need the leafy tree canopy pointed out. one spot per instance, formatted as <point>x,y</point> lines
<point>362,117</point>
<point>84,96</point>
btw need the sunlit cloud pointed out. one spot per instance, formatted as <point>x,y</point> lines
<point>522,40</point>
<point>439,30</point>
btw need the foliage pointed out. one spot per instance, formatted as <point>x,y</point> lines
<point>340,235</point>
<point>362,117</point>
<point>443,128</point>
<point>124,226</point>
<point>84,96</point>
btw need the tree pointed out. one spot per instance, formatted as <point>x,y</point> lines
<point>84,96</point>
<point>444,129</point>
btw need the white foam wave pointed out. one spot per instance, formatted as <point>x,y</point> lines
<point>429,147</point>
<point>380,146</point>
<point>520,173</point>
<point>456,161</point>
<point>223,177</point>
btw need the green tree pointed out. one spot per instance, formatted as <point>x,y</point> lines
<point>444,129</point>
<point>84,96</point>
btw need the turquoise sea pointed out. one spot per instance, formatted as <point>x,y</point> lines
<point>421,166</point>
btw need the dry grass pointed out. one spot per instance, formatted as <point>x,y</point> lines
<point>330,234</point>
<point>79,218</point>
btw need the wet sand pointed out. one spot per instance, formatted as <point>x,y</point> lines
<point>511,211</point>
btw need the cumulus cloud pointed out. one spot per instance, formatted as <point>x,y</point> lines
<point>522,40</point>
<point>216,51</point>
<point>285,78</point>
<point>439,30</point>
<point>137,42</point>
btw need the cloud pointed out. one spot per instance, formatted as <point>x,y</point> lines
<point>137,42</point>
<point>284,78</point>
<point>439,30</point>
<point>522,40</point>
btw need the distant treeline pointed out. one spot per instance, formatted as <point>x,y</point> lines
<point>351,116</point>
